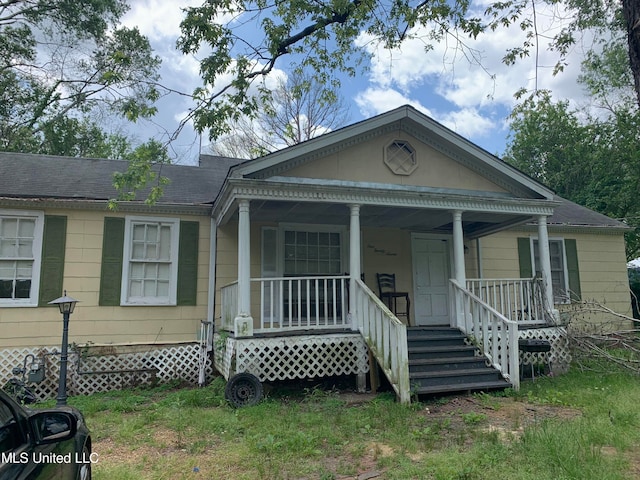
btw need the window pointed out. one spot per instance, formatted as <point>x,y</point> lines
<point>400,157</point>
<point>150,261</point>
<point>20,251</point>
<point>312,253</point>
<point>559,274</point>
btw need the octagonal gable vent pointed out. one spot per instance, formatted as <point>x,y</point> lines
<point>400,157</point>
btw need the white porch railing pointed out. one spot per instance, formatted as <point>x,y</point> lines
<point>386,337</point>
<point>495,334</point>
<point>518,299</point>
<point>293,303</point>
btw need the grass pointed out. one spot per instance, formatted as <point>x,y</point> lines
<point>173,433</point>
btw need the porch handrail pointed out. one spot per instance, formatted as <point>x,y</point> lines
<point>518,299</point>
<point>495,334</point>
<point>386,337</point>
<point>309,302</point>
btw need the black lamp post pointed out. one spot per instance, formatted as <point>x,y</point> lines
<point>66,305</point>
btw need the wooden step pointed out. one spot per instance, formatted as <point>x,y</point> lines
<point>462,387</point>
<point>450,363</point>
<point>454,377</point>
<point>446,351</point>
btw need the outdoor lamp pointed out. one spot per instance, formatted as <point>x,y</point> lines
<point>66,305</point>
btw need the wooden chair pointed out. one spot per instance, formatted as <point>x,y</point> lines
<point>389,295</point>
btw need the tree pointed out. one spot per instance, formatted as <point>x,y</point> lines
<point>243,40</point>
<point>590,156</point>
<point>61,58</point>
<point>298,110</point>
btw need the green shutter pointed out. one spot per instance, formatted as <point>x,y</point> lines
<point>52,270</point>
<point>111,270</point>
<point>188,263</point>
<point>524,258</point>
<point>571,251</point>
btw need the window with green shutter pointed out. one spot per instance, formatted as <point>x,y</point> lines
<point>563,256</point>
<point>149,261</point>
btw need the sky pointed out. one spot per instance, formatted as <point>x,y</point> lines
<point>473,98</point>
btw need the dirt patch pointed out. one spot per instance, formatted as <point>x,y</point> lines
<point>505,416</point>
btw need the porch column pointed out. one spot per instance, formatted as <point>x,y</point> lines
<point>545,259</point>
<point>458,249</point>
<point>458,319</point>
<point>354,262</point>
<point>243,323</point>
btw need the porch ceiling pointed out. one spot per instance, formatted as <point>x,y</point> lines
<point>475,224</point>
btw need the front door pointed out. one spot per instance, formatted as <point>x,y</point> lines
<point>431,267</point>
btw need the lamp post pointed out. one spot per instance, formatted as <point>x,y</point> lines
<point>66,305</point>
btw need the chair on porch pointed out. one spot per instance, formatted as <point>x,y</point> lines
<point>389,295</point>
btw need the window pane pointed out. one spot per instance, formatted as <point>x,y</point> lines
<point>150,288</point>
<point>7,270</point>
<point>164,271</point>
<point>26,228</point>
<point>162,289</point>
<point>152,233</point>
<point>135,288</point>
<point>8,248</point>
<point>9,228</point>
<point>139,232</point>
<point>165,243</point>
<point>25,248</point>
<point>23,288</point>
<point>6,288</point>
<point>24,269</point>
<point>151,251</point>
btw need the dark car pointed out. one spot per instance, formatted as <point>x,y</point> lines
<point>43,444</point>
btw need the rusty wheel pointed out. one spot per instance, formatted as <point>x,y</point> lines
<point>243,390</point>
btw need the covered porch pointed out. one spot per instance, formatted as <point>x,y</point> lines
<point>312,289</point>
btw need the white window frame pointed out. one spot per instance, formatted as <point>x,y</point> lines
<point>38,233</point>
<point>125,298</point>
<point>300,227</point>
<point>563,297</point>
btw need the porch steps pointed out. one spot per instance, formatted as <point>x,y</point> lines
<point>441,362</point>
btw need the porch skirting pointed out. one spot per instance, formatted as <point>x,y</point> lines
<point>93,369</point>
<point>558,358</point>
<point>291,357</point>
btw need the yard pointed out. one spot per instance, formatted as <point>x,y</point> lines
<point>583,425</point>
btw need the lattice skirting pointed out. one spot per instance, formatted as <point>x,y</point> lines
<point>558,357</point>
<point>290,358</point>
<point>94,369</point>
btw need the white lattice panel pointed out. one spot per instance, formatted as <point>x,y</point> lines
<point>299,357</point>
<point>89,373</point>
<point>223,347</point>
<point>559,353</point>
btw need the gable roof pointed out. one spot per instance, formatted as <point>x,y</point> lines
<point>32,176</point>
<point>415,123</point>
<point>570,214</point>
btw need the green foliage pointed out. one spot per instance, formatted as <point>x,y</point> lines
<point>593,160</point>
<point>245,40</point>
<point>60,61</point>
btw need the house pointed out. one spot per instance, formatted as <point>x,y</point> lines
<point>282,253</point>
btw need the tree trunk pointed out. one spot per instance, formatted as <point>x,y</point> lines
<point>631,11</point>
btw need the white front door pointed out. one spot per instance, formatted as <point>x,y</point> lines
<point>431,269</point>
